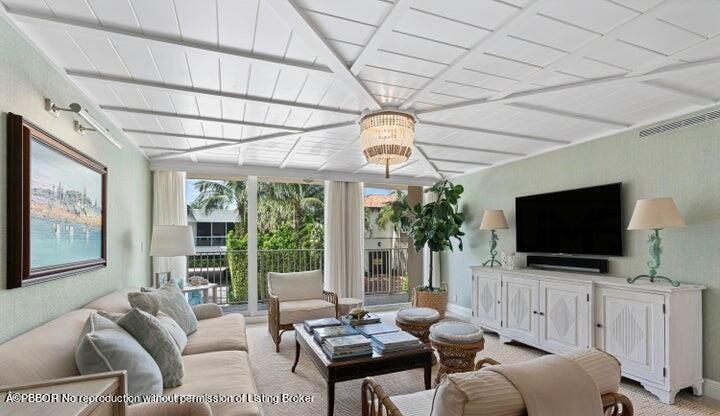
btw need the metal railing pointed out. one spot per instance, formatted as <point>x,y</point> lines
<point>385,270</point>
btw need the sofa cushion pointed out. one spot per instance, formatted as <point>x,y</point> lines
<point>414,404</point>
<point>150,333</point>
<point>107,347</point>
<point>487,393</point>
<point>170,300</point>
<point>220,373</point>
<point>296,311</point>
<point>113,302</point>
<point>296,286</point>
<point>224,333</point>
<point>45,352</point>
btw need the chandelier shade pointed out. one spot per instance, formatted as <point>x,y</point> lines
<point>387,137</point>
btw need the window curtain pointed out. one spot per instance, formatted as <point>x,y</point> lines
<point>169,208</point>
<point>344,239</point>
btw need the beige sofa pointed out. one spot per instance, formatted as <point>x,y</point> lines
<point>215,359</point>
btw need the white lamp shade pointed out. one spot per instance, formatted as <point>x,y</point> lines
<point>172,241</point>
<point>494,219</point>
<point>655,214</point>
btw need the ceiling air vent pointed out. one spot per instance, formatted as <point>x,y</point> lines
<point>681,124</point>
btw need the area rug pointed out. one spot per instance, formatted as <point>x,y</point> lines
<point>273,377</point>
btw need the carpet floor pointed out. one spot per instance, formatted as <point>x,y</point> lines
<point>273,376</point>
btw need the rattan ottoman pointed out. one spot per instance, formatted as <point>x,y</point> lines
<point>457,343</point>
<point>417,321</point>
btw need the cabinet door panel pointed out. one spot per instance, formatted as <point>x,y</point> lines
<point>487,296</point>
<point>520,309</point>
<point>565,318</point>
<point>633,330</point>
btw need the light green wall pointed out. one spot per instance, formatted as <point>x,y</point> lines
<point>684,165</point>
<point>26,78</point>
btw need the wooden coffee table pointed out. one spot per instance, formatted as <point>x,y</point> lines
<point>354,368</point>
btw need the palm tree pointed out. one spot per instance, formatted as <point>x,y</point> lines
<point>293,201</point>
<point>390,213</point>
<point>215,195</point>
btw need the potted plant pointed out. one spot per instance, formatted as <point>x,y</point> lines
<point>434,225</point>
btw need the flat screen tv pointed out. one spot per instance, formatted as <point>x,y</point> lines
<point>577,221</point>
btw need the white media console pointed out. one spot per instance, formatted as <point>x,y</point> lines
<point>654,330</point>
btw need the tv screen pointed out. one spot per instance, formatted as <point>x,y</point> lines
<point>577,221</point>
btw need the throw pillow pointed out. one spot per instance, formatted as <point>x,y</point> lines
<point>168,299</point>
<point>105,346</point>
<point>167,322</point>
<point>156,340</point>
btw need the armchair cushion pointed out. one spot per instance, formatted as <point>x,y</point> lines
<point>296,311</point>
<point>296,286</point>
<point>414,404</point>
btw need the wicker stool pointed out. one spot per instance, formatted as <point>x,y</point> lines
<point>457,343</point>
<point>417,321</point>
<point>345,305</point>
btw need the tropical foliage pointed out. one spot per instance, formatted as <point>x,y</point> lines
<point>290,217</point>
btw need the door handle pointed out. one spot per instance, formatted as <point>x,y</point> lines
<point>534,312</point>
<point>599,325</point>
<point>541,313</point>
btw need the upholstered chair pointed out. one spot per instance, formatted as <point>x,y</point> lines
<point>296,297</point>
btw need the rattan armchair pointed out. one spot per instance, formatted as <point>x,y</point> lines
<point>294,298</point>
<point>375,402</point>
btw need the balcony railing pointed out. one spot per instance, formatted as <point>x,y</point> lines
<point>385,270</point>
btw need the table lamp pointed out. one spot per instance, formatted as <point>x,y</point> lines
<point>655,214</point>
<point>493,219</point>
<point>171,241</point>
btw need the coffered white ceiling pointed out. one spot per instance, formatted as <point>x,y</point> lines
<point>276,86</point>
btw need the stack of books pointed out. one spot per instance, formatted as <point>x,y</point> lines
<point>313,324</point>
<point>321,334</point>
<point>341,348</point>
<point>366,320</point>
<point>374,329</point>
<point>395,341</point>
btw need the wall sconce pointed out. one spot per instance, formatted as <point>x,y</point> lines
<point>77,109</point>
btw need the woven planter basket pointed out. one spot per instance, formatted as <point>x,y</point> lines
<point>434,300</point>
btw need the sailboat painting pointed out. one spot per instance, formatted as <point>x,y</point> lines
<point>56,207</point>
<point>65,209</point>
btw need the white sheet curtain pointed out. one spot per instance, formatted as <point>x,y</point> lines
<point>344,239</point>
<point>169,208</point>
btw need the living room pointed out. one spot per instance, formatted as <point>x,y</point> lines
<point>374,207</point>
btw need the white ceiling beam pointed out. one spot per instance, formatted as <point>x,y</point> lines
<point>612,80</point>
<point>163,148</point>
<point>579,52</point>
<point>460,162</point>
<point>693,97</point>
<point>289,154</point>
<point>181,136</point>
<point>156,40</point>
<point>470,149</point>
<point>232,170</point>
<point>183,89</point>
<point>198,118</point>
<point>299,24</point>
<point>333,157</point>
<point>402,166</point>
<point>381,34</point>
<point>251,140</point>
<point>363,166</point>
<point>568,114</point>
<point>486,43</point>
<point>427,160</point>
<point>493,132</point>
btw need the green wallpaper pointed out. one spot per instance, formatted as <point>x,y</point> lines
<point>684,165</point>
<point>26,78</point>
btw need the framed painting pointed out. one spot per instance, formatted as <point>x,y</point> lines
<point>56,214</point>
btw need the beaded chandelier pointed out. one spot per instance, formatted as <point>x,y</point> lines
<point>387,137</point>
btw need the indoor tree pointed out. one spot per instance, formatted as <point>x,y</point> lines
<point>434,224</point>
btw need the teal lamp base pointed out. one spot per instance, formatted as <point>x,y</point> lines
<point>493,251</point>
<point>655,251</point>
<point>652,279</point>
